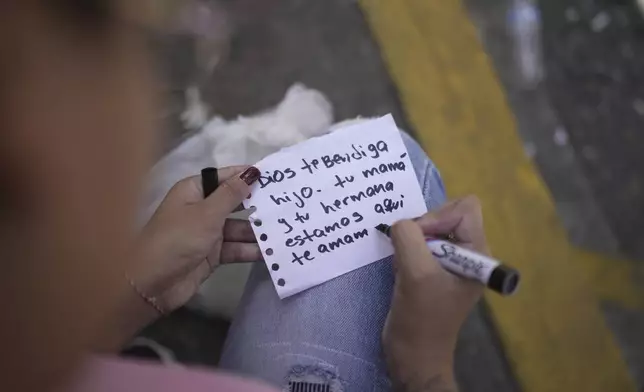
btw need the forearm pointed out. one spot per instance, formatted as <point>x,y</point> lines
<point>437,383</point>
<point>420,366</point>
<point>134,312</point>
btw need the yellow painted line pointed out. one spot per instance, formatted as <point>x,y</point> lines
<point>553,330</point>
<point>615,280</point>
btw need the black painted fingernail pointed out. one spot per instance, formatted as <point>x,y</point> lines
<point>209,181</point>
<point>250,175</point>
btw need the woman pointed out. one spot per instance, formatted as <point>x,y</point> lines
<point>77,109</point>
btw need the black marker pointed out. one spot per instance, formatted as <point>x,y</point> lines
<point>467,264</point>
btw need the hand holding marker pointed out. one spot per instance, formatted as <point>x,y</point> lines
<point>471,265</point>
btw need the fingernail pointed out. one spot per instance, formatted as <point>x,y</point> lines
<point>250,175</point>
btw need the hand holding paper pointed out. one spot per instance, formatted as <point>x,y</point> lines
<point>317,203</point>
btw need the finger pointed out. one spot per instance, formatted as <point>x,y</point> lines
<point>463,217</point>
<point>238,230</point>
<point>238,252</point>
<point>412,256</point>
<point>230,194</point>
<point>225,173</point>
<point>190,189</point>
<point>440,221</point>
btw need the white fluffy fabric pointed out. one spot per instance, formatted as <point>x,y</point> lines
<point>302,114</point>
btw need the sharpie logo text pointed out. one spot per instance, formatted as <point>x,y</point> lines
<point>469,266</point>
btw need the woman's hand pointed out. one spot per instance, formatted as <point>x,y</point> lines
<point>189,236</point>
<point>430,304</point>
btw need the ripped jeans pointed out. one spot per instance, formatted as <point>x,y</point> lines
<point>326,338</point>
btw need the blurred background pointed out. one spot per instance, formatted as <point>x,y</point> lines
<point>535,106</point>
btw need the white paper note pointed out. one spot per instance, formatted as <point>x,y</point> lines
<point>318,202</point>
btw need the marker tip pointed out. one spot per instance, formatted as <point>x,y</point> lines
<point>383,228</point>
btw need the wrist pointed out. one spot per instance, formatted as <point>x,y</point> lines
<point>139,311</point>
<point>155,274</point>
<point>151,300</point>
<point>132,315</point>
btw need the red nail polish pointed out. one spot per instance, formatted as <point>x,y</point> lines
<point>250,175</point>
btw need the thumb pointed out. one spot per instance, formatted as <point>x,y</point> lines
<point>412,256</point>
<point>231,193</point>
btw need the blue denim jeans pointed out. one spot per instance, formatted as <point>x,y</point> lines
<point>328,337</point>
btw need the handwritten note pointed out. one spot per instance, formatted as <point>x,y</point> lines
<point>318,202</point>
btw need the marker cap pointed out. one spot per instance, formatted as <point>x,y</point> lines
<point>504,280</point>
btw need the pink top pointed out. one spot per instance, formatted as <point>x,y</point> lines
<point>109,375</point>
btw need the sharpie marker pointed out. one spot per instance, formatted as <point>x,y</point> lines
<point>471,265</point>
